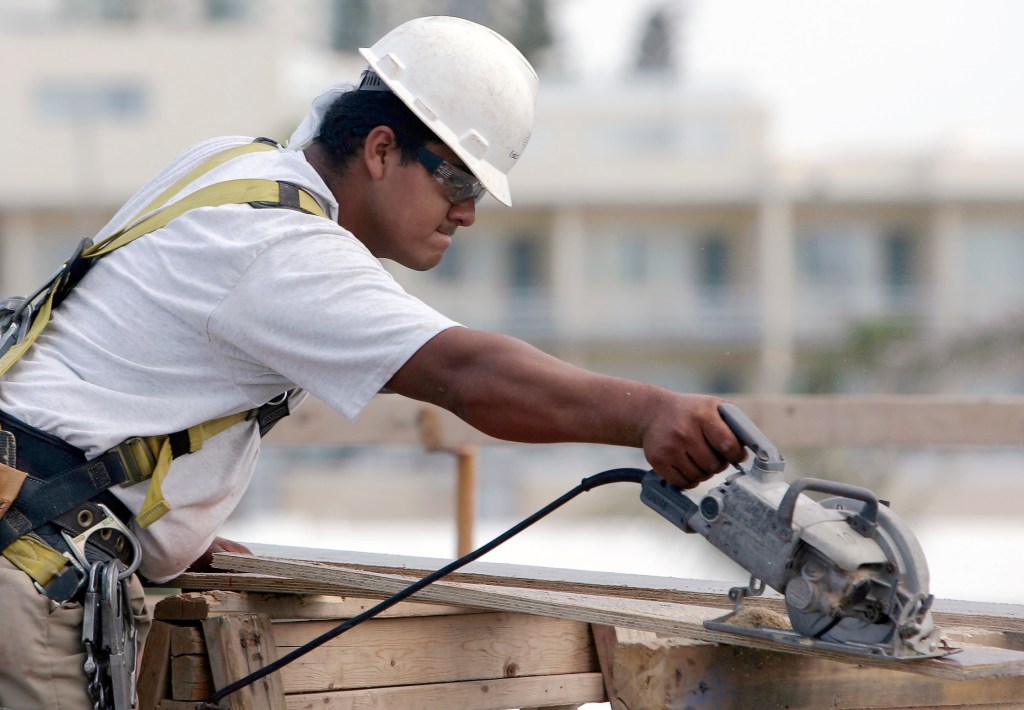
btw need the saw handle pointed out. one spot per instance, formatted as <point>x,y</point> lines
<point>766,456</point>
<point>864,522</point>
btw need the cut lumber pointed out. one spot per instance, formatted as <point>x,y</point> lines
<point>197,606</point>
<point>435,649</point>
<point>154,672</point>
<point>237,645</point>
<point>240,582</point>
<point>947,612</point>
<point>497,694</point>
<point>414,645</point>
<point>660,617</point>
<point>191,678</point>
<point>643,670</point>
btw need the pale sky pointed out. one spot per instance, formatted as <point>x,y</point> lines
<point>839,75</point>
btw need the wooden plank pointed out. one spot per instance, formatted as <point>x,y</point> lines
<point>191,679</point>
<point>670,619</point>
<point>435,649</point>
<point>238,645</point>
<point>196,606</point>
<point>982,615</point>
<point>239,582</point>
<point>154,672</point>
<point>187,640</point>
<point>685,591</point>
<point>498,694</point>
<point>790,421</point>
<point>974,636</point>
<point>676,674</point>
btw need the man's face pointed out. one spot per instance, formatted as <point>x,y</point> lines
<point>415,217</point>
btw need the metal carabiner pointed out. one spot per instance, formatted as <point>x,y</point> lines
<point>76,545</point>
<point>120,641</point>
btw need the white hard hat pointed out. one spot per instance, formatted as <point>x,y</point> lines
<point>469,85</point>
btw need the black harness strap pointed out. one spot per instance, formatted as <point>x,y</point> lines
<point>59,478</point>
<point>289,199</point>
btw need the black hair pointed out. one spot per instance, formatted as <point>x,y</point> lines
<point>355,113</point>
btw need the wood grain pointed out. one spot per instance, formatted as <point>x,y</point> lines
<point>661,617</point>
<point>434,649</point>
<point>645,671</point>
<point>497,694</point>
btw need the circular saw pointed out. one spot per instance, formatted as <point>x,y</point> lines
<point>853,575</point>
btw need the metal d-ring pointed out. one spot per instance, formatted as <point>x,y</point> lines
<point>76,545</point>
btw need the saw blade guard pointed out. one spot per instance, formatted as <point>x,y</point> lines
<point>905,627</point>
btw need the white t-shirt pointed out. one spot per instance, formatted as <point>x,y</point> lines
<point>216,313</point>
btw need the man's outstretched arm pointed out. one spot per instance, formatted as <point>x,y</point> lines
<point>513,391</point>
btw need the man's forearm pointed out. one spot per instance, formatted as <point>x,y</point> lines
<point>513,391</point>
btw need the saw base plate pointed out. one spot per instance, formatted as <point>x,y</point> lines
<point>795,640</point>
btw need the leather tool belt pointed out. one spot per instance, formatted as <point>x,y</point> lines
<point>65,497</point>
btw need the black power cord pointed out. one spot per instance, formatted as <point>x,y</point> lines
<point>615,475</point>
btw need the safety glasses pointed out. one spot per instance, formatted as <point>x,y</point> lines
<point>458,185</point>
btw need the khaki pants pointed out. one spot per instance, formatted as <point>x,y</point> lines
<point>41,652</point>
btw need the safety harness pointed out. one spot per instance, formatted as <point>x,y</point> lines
<point>67,495</point>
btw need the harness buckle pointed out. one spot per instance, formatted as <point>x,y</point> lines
<point>76,545</point>
<point>136,458</point>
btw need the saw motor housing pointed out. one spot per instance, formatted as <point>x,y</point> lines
<point>851,572</point>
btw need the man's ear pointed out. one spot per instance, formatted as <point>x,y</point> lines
<point>378,151</point>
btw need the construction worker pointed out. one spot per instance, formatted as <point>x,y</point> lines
<point>224,308</point>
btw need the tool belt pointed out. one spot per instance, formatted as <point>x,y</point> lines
<point>87,551</point>
<point>63,494</point>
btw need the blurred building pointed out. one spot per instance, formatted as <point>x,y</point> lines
<point>654,234</point>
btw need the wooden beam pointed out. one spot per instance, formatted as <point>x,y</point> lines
<point>643,670</point>
<point>433,649</point>
<point>154,671</point>
<point>197,606</point>
<point>1005,618</point>
<point>790,421</point>
<point>659,617</point>
<point>497,694</point>
<point>239,644</point>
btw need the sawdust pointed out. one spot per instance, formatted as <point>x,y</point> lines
<point>754,618</point>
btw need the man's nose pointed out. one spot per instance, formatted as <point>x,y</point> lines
<point>463,213</point>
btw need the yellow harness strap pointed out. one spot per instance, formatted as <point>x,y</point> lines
<point>155,505</point>
<point>151,460</point>
<point>39,560</point>
<point>222,193</point>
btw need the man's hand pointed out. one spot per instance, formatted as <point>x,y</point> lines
<point>219,544</point>
<point>686,440</point>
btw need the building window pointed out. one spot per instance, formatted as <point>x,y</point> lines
<point>450,269</point>
<point>900,255</point>
<point>69,102</point>
<point>102,10</point>
<point>899,259</point>
<point>713,257</point>
<point>525,263</point>
<point>826,259</point>
<point>633,138</point>
<point>993,260</point>
<point>225,10</point>
<point>350,24</point>
<point>632,261</point>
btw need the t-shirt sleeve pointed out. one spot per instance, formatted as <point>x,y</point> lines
<point>321,311</point>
